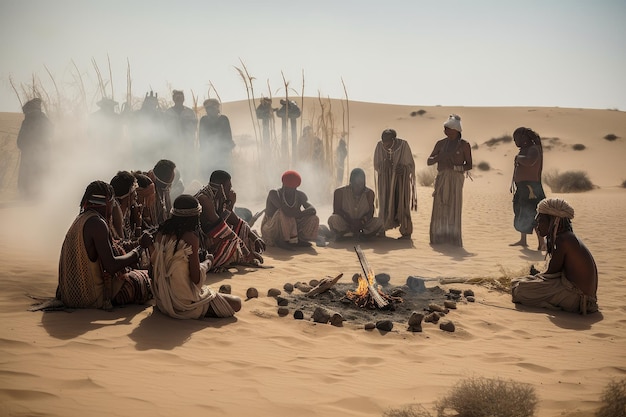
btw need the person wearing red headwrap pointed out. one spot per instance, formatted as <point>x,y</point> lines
<point>290,219</point>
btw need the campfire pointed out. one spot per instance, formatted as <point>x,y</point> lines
<point>367,295</point>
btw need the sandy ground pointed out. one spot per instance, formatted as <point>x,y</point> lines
<point>136,361</point>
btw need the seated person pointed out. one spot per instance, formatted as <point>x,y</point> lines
<point>227,237</point>
<point>91,275</point>
<point>571,281</point>
<point>162,175</point>
<point>353,209</point>
<point>125,187</point>
<point>290,220</point>
<point>179,276</point>
<point>146,196</point>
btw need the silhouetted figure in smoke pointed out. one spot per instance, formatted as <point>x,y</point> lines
<point>216,140</point>
<point>105,133</point>
<point>340,159</point>
<point>33,141</point>
<point>146,131</point>
<point>264,113</point>
<point>289,111</point>
<point>182,124</point>
<point>310,148</point>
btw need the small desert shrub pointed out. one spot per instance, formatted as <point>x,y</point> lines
<point>611,137</point>
<point>501,139</point>
<point>409,411</point>
<point>624,184</point>
<point>484,397</point>
<point>484,166</point>
<point>579,147</point>
<point>568,182</point>
<point>475,146</point>
<point>419,112</point>
<point>614,400</point>
<point>426,177</point>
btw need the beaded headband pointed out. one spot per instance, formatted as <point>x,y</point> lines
<point>189,212</point>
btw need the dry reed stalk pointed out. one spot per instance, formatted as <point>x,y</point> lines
<point>81,84</point>
<point>211,86</point>
<point>247,80</point>
<point>346,131</point>
<point>99,75</point>
<point>15,90</point>
<point>110,77</point>
<point>129,94</point>
<point>57,106</point>
<point>285,121</point>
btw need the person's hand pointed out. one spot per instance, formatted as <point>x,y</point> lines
<point>232,197</point>
<point>145,240</point>
<point>259,245</point>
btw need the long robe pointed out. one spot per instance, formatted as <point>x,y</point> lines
<point>175,293</point>
<point>397,194</point>
<point>33,141</point>
<point>445,222</point>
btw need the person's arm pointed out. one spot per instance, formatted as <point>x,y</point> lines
<point>530,159</point>
<point>97,239</point>
<point>309,210</point>
<point>225,127</point>
<point>377,159</point>
<point>208,210</point>
<point>369,193</point>
<point>467,156</point>
<point>434,155</point>
<point>557,261</point>
<point>193,259</point>
<point>337,200</point>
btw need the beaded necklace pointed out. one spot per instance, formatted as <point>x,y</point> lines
<point>390,150</point>
<point>295,199</point>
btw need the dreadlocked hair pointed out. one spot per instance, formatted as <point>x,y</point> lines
<point>97,191</point>
<point>557,225</point>
<point>179,225</point>
<point>143,180</point>
<point>530,134</point>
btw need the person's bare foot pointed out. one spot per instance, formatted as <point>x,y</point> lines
<point>519,243</point>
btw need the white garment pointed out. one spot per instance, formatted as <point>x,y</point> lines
<point>176,295</point>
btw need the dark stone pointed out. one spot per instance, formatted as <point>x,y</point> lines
<point>436,307</point>
<point>314,283</point>
<point>470,299</point>
<point>416,284</point>
<point>321,315</point>
<point>382,278</point>
<point>224,289</point>
<point>273,292</point>
<point>288,288</point>
<point>337,320</point>
<point>298,315</point>
<point>384,325</point>
<point>415,321</point>
<point>449,304</point>
<point>432,318</point>
<point>355,278</point>
<point>252,293</point>
<point>283,311</point>
<point>468,293</point>
<point>455,291</point>
<point>447,326</point>
<point>281,301</point>
<point>369,326</point>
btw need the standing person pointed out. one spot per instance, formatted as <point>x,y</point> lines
<point>397,196</point>
<point>353,209</point>
<point>227,237</point>
<point>290,220</point>
<point>215,139</point>
<point>341,153</point>
<point>453,156</point>
<point>571,281</point>
<point>182,125</point>
<point>527,184</point>
<point>33,141</point>
<point>265,113</point>
<point>179,277</point>
<point>91,275</point>
<point>105,133</point>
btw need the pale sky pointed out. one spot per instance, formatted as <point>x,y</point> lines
<point>544,53</point>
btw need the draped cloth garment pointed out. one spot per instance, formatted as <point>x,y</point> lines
<point>553,291</point>
<point>445,222</point>
<point>176,295</point>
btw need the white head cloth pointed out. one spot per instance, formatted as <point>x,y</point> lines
<point>454,122</point>
<point>555,207</point>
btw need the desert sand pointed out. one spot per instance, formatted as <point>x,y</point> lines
<point>136,361</point>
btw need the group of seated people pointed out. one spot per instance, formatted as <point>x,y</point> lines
<point>130,243</point>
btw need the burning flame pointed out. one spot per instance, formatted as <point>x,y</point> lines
<point>362,288</point>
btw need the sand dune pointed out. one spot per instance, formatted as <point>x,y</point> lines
<point>136,361</point>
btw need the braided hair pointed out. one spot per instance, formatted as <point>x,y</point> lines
<point>97,194</point>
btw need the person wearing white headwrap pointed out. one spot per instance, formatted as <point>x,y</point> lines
<point>453,156</point>
<point>526,184</point>
<point>570,282</point>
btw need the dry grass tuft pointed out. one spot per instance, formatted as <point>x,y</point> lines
<point>502,139</point>
<point>579,147</point>
<point>484,166</point>
<point>611,137</point>
<point>419,112</point>
<point>484,397</point>
<point>426,177</point>
<point>568,182</point>
<point>614,400</point>
<point>408,411</point>
<point>502,283</point>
